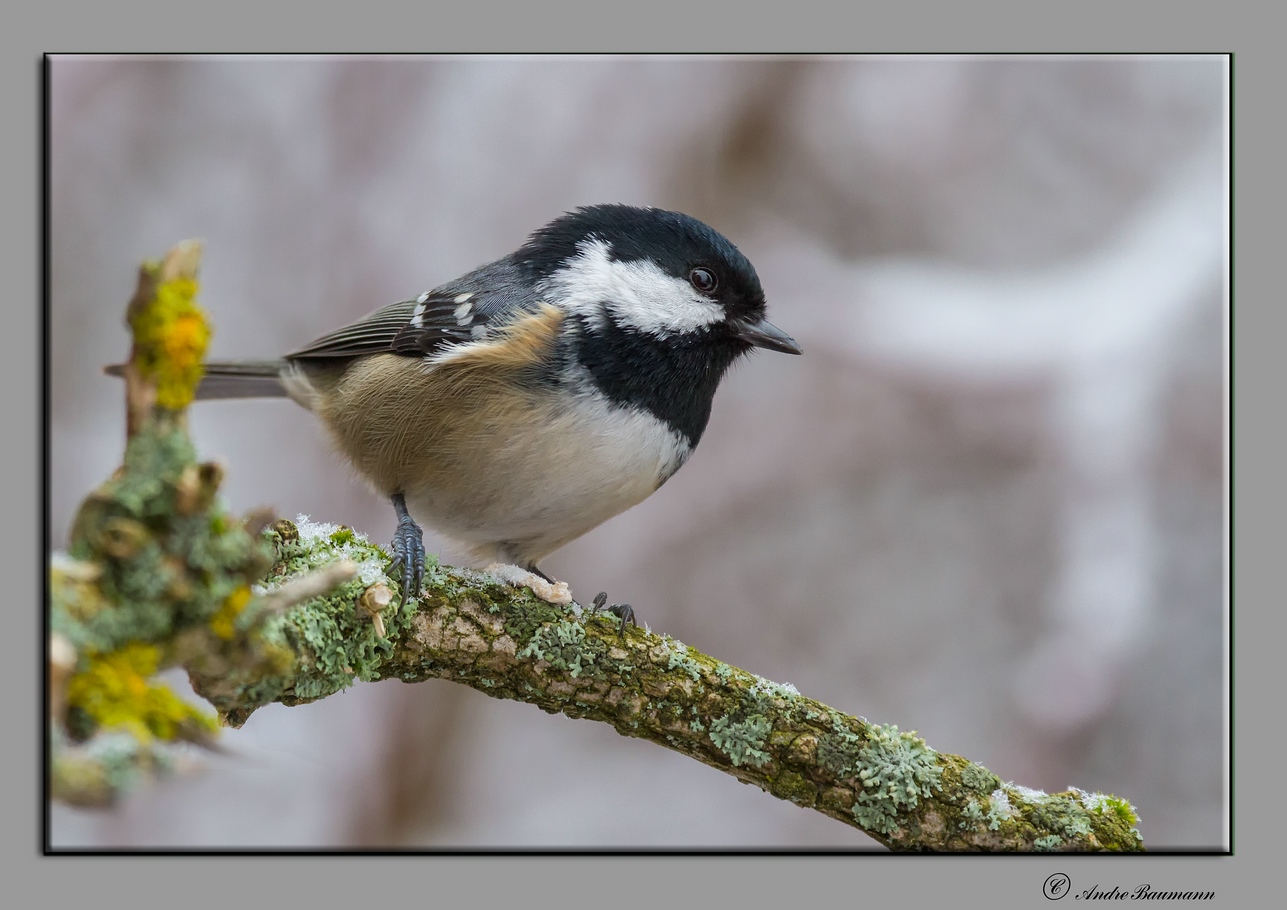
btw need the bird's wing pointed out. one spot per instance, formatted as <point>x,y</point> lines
<point>413,327</point>
<point>456,313</point>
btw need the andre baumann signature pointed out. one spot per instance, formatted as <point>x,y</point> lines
<point>1059,886</point>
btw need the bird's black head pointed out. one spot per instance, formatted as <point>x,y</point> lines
<point>665,305</point>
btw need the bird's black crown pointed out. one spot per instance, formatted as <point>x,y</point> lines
<point>676,243</point>
<point>672,375</point>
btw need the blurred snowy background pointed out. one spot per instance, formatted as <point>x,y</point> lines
<point>987,504</point>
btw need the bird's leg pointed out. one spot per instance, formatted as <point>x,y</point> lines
<point>532,567</point>
<point>408,548</point>
<point>624,612</point>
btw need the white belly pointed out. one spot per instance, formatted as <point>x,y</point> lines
<point>566,472</point>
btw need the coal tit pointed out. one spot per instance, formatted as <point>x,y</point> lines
<point>526,402</point>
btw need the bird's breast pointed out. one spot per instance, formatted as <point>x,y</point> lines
<point>546,472</point>
<point>491,458</point>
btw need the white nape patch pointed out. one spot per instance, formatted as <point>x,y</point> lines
<point>461,298</point>
<point>462,312</point>
<point>637,294</point>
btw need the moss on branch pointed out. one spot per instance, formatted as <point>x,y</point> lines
<point>472,628</point>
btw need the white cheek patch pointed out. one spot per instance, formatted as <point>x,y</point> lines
<point>638,294</point>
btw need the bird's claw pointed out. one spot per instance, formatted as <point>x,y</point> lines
<point>624,612</point>
<point>408,556</point>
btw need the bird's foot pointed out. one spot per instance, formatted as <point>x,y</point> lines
<point>408,548</point>
<point>544,587</point>
<point>624,612</point>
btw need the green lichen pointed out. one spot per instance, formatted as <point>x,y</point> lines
<point>1076,826</point>
<point>1048,843</point>
<point>564,645</point>
<point>524,617</point>
<point>768,689</point>
<point>978,778</point>
<point>158,573</point>
<point>336,643</point>
<point>742,740</point>
<point>895,770</point>
<point>838,755</point>
<point>153,557</point>
<point>971,816</point>
<point>1107,804</point>
<point>343,535</point>
<point>999,809</point>
<point>840,750</point>
<point>679,658</point>
<point>158,569</point>
<point>304,545</point>
<point>1072,814</point>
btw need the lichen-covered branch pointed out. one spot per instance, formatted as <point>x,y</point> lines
<point>155,570</point>
<point>157,574</point>
<point>472,628</point>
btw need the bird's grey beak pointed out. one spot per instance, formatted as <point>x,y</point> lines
<point>764,334</point>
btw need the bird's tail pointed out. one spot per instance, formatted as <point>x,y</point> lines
<point>234,379</point>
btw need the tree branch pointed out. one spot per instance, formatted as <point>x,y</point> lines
<point>473,628</point>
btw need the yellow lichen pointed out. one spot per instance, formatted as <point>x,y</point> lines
<point>222,623</point>
<point>171,334</point>
<point>114,691</point>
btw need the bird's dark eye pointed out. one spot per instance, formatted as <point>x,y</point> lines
<point>703,280</point>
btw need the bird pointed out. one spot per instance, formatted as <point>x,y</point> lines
<point>528,401</point>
